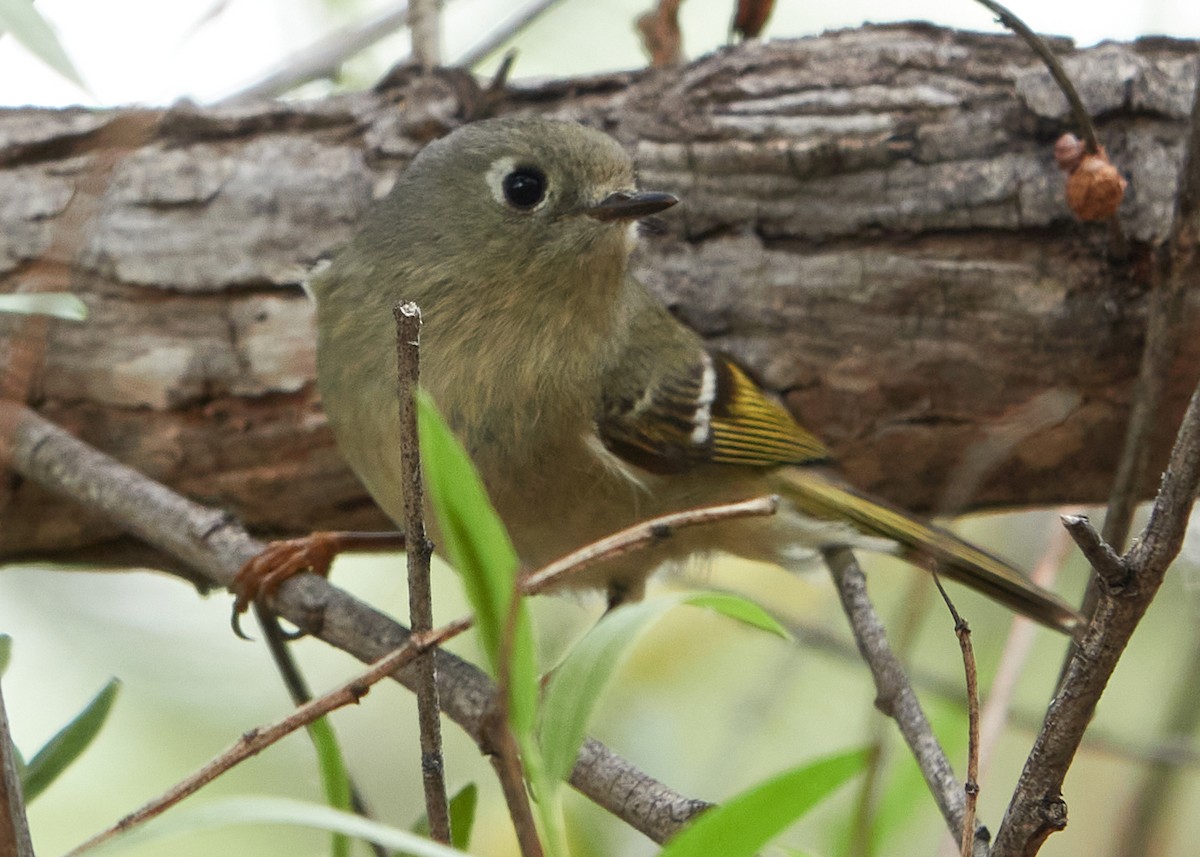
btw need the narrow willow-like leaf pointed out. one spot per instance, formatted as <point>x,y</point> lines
<point>335,780</point>
<point>273,810</point>
<point>462,818</point>
<point>30,29</point>
<point>65,747</point>
<point>58,304</point>
<point>578,683</point>
<point>5,652</point>
<point>741,826</point>
<point>478,547</point>
<point>739,608</point>
<point>462,815</point>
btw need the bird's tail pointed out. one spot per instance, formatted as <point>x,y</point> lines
<point>822,496</point>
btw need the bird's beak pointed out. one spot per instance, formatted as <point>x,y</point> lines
<point>630,206</point>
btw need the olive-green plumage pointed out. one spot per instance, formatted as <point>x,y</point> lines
<point>585,405</point>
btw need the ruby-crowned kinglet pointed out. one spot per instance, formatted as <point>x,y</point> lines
<point>584,404</point>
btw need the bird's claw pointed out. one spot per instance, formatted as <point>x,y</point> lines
<point>262,575</point>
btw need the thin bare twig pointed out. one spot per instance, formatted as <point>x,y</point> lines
<point>1082,118</point>
<point>216,546</point>
<point>506,755</point>
<point>493,732</point>
<point>323,58</point>
<point>971,787</point>
<point>425,24</point>
<point>661,37</point>
<point>1108,566</point>
<point>895,697</point>
<point>508,29</point>
<point>506,760</point>
<point>14,827</point>
<point>915,608</point>
<point>1037,808</point>
<point>418,551</point>
<point>257,740</point>
<point>639,535</point>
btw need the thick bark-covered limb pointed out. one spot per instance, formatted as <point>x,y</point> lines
<point>872,221</point>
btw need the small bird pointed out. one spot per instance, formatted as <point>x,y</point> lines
<point>584,404</point>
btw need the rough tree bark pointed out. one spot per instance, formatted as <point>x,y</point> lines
<point>872,222</point>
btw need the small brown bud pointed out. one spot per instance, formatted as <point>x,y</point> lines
<point>1095,188</point>
<point>1068,152</point>
<point>751,16</point>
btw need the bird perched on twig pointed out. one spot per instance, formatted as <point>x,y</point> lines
<point>584,404</point>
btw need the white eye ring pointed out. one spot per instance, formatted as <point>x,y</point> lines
<point>502,171</point>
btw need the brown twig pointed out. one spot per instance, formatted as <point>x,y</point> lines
<point>894,694</point>
<point>493,732</point>
<point>257,740</point>
<point>425,25</point>
<point>915,604</point>
<point>418,552</point>
<point>641,535</point>
<point>1037,808</point>
<point>323,58</point>
<point>971,787</point>
<point>1082,118</point>
<point>216,546</point>
<point>1107,565</point>
<point>506,756</point>
<point>14,826</point>
<point>661,36</point>
<point>506,761</point>
<point>508,29</point>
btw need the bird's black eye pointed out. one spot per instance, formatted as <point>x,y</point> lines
<point>525,187</point>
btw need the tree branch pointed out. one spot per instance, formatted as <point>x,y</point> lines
<point>418,551</point>
<point>1037,808</point>
<point>216,545</point>
<point>325,57</point>
<point>895,696</point>
<point>14,827</point>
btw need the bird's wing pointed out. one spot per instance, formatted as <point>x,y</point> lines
<point>694,407</point>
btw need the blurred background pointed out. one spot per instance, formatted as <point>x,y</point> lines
<point>705,705</point>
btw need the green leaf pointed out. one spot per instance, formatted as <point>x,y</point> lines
<point>462,818</point>
<point>65,747</point>
<point>577,684</point>
<point>741,826</point>
<point>274,810</point>
<point>739,608</point>
<point>31,30</point>
<point>58,304</point>
<point>5,652</point>
<point>334,777</point>
<point>478,546</point>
